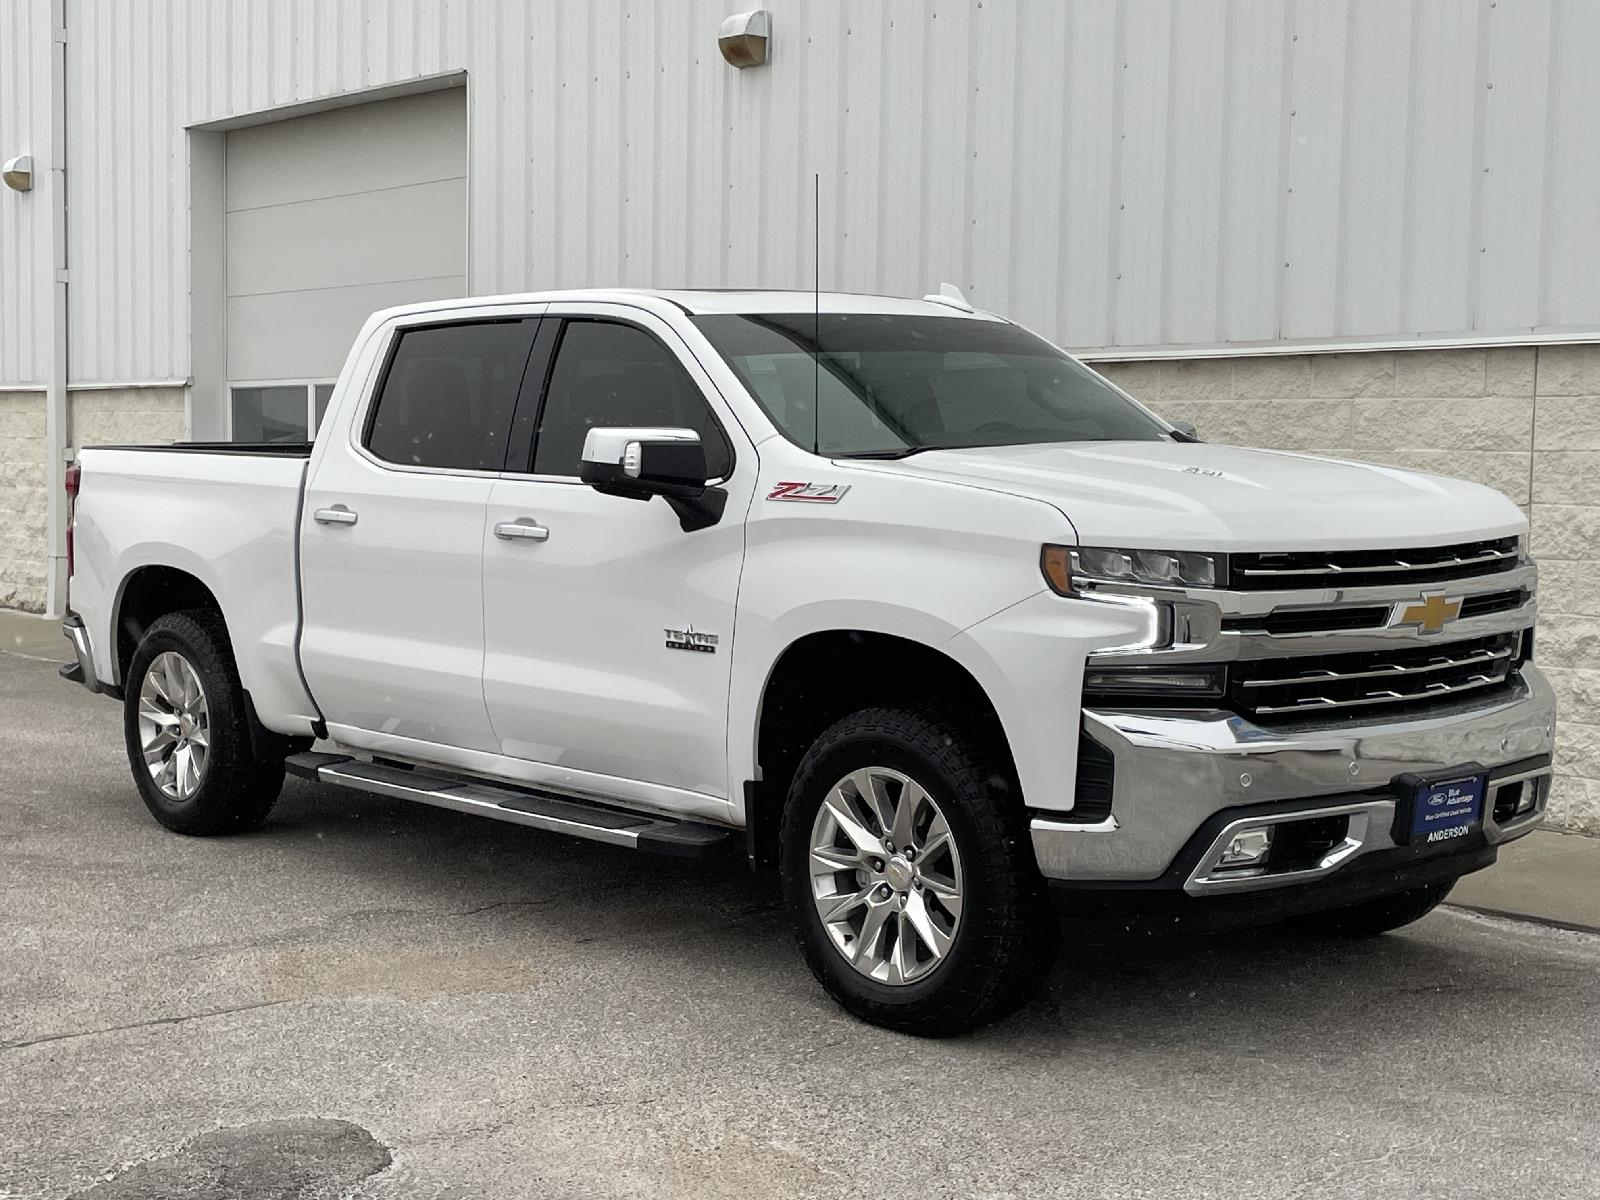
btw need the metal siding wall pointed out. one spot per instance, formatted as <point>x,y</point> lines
<point>1253,150</point>
<point>1443,168</point>
<point>25,216</point>
<point>1197,116</point>
<point>1516,101</point>
<point>1151,172</point>
<point>1377,117</point>
<point>1570,255</point>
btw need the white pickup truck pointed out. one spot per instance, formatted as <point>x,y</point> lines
<point>931,618</point>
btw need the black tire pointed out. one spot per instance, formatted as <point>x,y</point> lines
<point>1379,915</point>
<point>237,790</point>
<point>1007,936</point>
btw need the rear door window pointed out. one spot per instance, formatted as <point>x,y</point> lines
<point>449,394</point>
<point>608,375</point>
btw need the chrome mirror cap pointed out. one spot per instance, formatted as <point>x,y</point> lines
<point>624,446</point>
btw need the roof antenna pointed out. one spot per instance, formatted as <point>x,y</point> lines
<point>950,294</point>
<point>816,313</point>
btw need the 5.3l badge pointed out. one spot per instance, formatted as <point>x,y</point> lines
<point>690,639</point>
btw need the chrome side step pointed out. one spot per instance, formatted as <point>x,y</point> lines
<point>555,814</point>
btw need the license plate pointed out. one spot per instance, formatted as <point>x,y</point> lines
<point>1443,810</point>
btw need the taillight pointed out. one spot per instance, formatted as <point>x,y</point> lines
<point>74,475</point>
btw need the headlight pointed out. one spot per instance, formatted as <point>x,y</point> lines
<point>1150,568</point>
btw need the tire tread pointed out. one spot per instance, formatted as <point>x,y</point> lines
<point>1018,937</point>
<point>239,789</point>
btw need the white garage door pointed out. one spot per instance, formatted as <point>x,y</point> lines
<point>330,217</point>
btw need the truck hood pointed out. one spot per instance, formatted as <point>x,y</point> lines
<point>1196,496</point>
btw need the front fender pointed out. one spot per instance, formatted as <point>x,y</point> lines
<point>1029,659</point>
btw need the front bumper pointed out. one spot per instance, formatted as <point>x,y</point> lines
<point>1161,908</point>
<point>1181,774</point>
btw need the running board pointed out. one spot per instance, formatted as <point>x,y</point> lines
<point>555,814</point>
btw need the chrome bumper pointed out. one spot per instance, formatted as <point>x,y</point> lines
<point>81,669</point>
<point>1175,771</point>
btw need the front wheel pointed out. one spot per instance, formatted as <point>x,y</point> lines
<point>187,731</point>
<point>1380,915</point>
<point>908,875</point>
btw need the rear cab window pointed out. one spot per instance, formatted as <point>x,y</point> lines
<point>449,393</point>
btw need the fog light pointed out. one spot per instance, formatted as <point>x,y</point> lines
<point>1529,796</point>
<point>1143,681</point>
<point>1248,848</point>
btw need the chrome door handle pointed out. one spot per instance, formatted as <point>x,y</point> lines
<point>525,530</point>
<point>337,515</point>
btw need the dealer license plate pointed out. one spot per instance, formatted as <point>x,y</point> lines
<point>1443,810</point>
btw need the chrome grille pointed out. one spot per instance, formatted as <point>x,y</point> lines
<point>1370,568</point>
<point>1389,679</point>
<point>1334,618</point>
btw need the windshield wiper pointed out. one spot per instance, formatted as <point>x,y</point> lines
<point>906,452</point>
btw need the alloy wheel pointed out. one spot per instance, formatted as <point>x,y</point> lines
<point>886,875</point>
<point>174,725</point>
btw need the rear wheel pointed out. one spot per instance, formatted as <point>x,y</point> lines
<point>909,877</point>
<point>187,732</point>
<point>1380,915</point>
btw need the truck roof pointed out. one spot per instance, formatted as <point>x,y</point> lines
<point>697,301</point>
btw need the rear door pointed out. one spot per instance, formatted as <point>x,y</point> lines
<point>392,537</point>
<point>608,633</point>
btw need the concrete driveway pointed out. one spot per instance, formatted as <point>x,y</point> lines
<point>369,998</point>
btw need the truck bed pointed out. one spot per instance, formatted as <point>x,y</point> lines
<point>225,513</point>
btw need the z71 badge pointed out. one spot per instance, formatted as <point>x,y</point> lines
<point>811,493</point>
<point>689,639</point>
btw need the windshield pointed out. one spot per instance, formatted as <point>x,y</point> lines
<point>884,385</point>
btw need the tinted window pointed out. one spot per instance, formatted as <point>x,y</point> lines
<point>449,395</point>
<point>871,383</point>
<point>611,375</point>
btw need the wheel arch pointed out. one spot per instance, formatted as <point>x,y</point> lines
<point>803,695</point>
<point>146,594</point>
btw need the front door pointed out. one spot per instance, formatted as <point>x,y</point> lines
<point>608,631</point>
<point>392,539</point>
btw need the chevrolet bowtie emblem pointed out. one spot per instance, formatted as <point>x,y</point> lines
<point>1431,615</point>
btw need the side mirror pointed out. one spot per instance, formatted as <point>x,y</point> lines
<point>1184,431</point>
<point>638,463</point>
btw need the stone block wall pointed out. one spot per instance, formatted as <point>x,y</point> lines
<point>115,415</point>
<point>1520,419</point>
<point>126,415</point>
<point>22,501</point>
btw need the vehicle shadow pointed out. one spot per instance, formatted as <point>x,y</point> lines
<point>1260,993</point>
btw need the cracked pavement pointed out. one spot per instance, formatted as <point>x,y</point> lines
<point>374,999</point>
